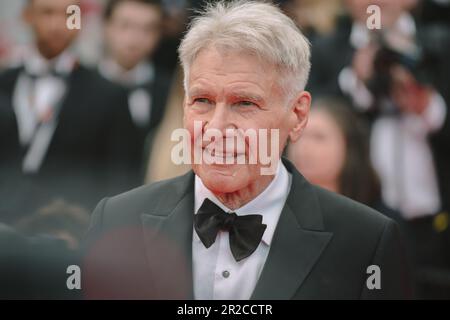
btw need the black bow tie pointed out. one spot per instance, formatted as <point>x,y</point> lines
<point>245,231</point>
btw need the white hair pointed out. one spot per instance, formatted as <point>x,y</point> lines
<point>256,27</point>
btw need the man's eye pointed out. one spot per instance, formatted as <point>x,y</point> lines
<point>246,103</point>
<point>202,100</point>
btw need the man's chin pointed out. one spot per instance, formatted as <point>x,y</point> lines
<point>221,178</point>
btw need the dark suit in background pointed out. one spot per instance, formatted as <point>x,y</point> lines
<point>89,155</point>
<point>156,90</point>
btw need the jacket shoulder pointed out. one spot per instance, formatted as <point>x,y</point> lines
<point>157,198</point>
<point>342,213</point>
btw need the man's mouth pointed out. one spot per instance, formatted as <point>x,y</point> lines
<point>219,156</point>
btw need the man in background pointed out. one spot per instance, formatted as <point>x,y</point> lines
<point>397,76</point>
<point>132,34</point>
<point>63,129</point>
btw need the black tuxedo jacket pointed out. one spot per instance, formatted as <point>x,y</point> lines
<point>89,155</point>
<point>158,90</point>
<point>139,245</point>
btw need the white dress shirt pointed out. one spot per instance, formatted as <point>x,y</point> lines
<point>36,94</point>
<point>139,99</point>
<point>216,274</point>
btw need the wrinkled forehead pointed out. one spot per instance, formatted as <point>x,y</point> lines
<point>230,51</point>
<point>233,65</point>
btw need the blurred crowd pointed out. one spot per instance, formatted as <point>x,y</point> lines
<point>88,113</point>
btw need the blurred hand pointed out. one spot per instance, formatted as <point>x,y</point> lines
<point>407,93</point>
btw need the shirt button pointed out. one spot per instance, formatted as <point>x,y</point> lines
<point>225,274</point>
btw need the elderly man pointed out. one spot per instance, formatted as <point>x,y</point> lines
<point>230,229</point>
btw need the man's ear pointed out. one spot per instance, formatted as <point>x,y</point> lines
<point>184,110</point>
<point>184,102</point>
<point>300,112</point>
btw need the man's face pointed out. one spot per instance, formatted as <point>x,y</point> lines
<point>238,91</point>
<point>133,32</point>
<point>47,18</point>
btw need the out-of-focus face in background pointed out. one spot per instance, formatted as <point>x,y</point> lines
<point>320,152</point>
<point>238,91</point>
<point>316,14</point>
<point>133,32</point>
<point>47,19</point>
<point>390,10</point>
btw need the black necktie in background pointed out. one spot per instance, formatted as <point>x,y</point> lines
<point>245,232</point>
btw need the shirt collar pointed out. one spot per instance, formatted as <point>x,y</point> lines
<point>36,64</point>
<point>141,73</point>
<point>268,203</point>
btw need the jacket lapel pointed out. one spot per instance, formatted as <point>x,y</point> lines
<point>298,242</point>
<point>174,222</point>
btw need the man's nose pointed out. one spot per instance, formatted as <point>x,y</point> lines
<point>221,119</point>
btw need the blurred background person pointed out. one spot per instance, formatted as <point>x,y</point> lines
<point>176,17</point>
<point>352,42</point>
<point>159,164</point>
<point>334,153</point>
<point>15,36</point>
<point>132,34</point>
<point>316,18</point>
<point>409,149</point>
<point>364,65</point>
<point>65,132</point>
<point>398,76</point>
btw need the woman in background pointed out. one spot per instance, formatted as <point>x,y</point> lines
<point>334,154</point>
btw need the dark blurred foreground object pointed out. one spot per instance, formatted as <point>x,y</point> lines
<point>58,219</point>
<point>132,262</point>
<point>34,267</point>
